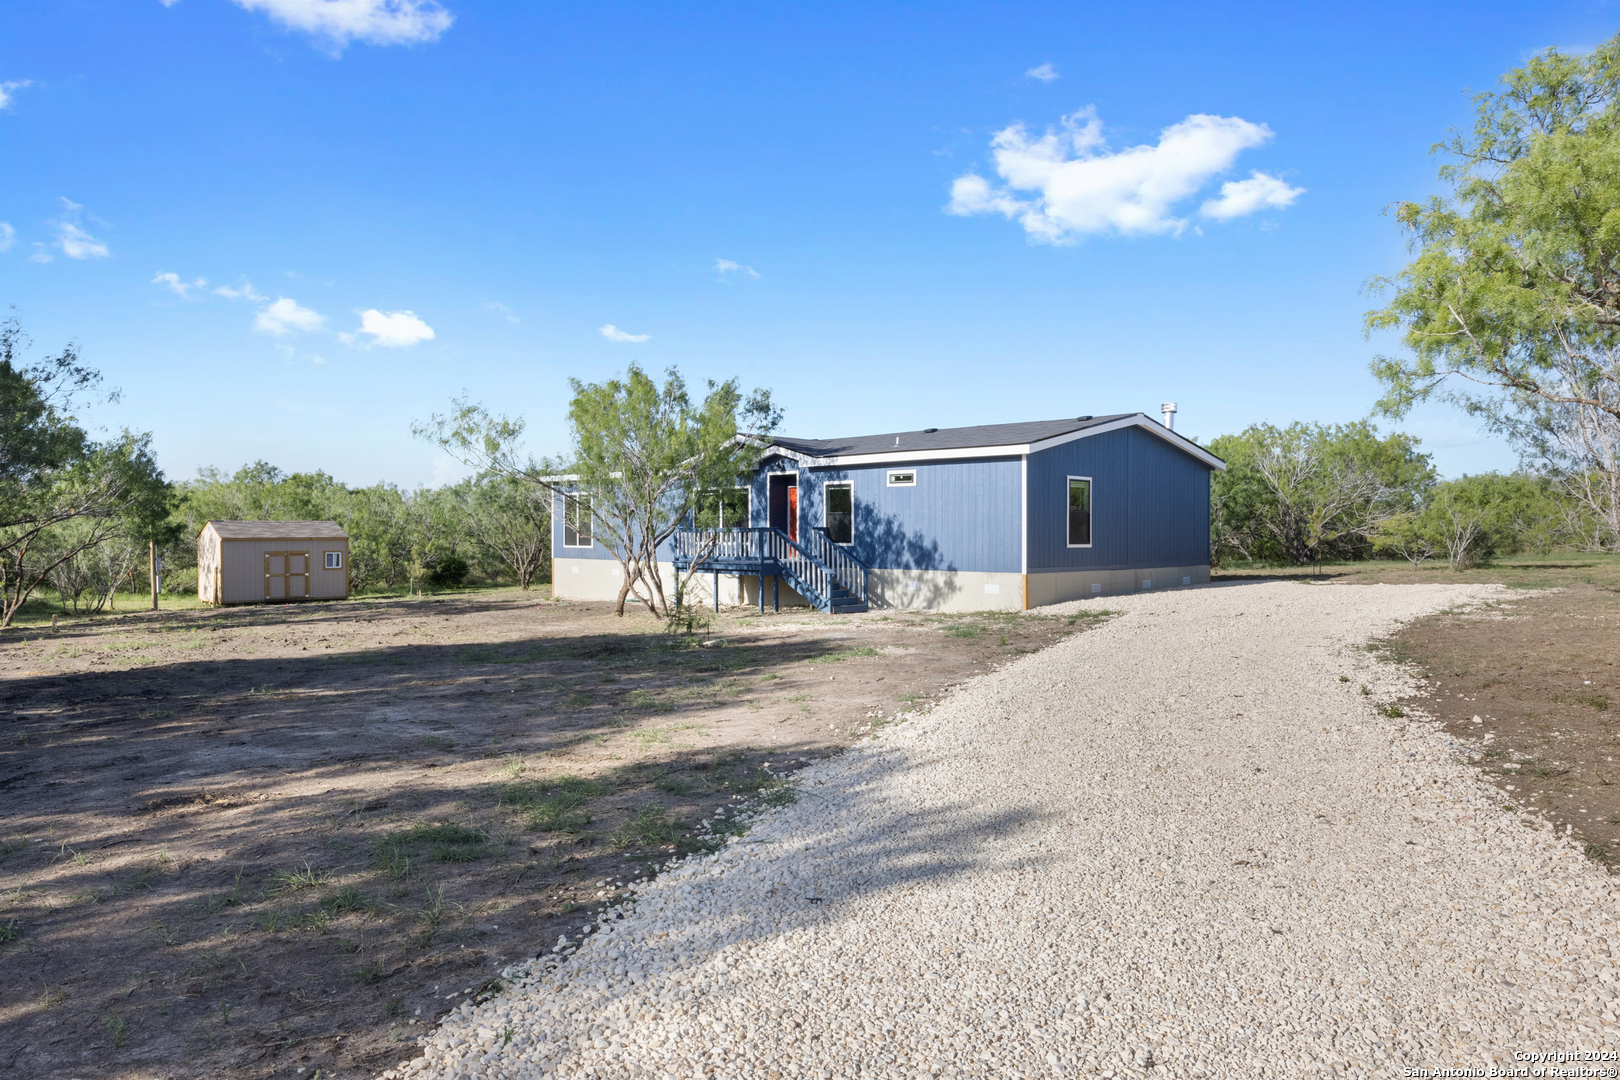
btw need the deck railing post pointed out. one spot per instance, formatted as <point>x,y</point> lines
<point>717,592</point>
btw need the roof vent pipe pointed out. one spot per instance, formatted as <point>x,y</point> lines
<point>1169,411</point>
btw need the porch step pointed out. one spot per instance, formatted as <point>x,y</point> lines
<point>843,602</point>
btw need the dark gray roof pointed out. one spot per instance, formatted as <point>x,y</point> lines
<point>960,438</point>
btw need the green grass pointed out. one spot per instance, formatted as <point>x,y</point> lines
<point>652,825</point>
<point>291,881</point>
<point>970,632</point>
<point>846,654</point>
<point>445,832</point>
<point>393,861</point>
<point>347,900</point>
<point>1393,711</point>
<point>556,805</point>
<point>645,699</point>
<point>450,842</point>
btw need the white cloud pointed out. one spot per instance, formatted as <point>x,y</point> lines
<point>244,292</point>
<point>168,3</point>
<point>726,266</point>
<point>613,333</point>
<point>8,236</point>
<point>285,316</point>
<point>7,89</point>
<point>182,289</point>
<point>375,22</point>
<point>1261,191</point>
<point>1076,185</point>
<point>502,310</point>
<point>71,237</point>
<point>78,244</point>
<point>390,329</point>
<point>39,254</point>
<point>1046,73</point>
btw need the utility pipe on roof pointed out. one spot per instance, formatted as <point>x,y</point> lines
<point>1169,411</point>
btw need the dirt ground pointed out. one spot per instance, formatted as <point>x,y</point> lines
<point>1535,682</point>
<point>282,840</point>
<point>1538,671</point>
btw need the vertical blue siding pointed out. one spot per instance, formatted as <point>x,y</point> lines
<point>595,551</point>
<point>1149,504</point>
<point>1150,507</point>
<point>961,515</point>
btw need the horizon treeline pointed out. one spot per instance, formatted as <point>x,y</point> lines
<point>488,529</point>
<point>1311,493</point>
<point>1301,494</point>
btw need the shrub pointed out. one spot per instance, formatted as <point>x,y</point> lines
<point>449,572</point>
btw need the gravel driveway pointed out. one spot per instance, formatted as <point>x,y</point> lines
<point>1178,845</point>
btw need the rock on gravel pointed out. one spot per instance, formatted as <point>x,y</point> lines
<point>1177,845</point>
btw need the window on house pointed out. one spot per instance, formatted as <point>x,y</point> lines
<point>722,508</point>
<point>903,479</point>
<point>576,521</point>
<point>334,560</point>
<point>1079,512</point>
<point>840,513</point>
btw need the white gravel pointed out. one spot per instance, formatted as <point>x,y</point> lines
<point>1175,846</point>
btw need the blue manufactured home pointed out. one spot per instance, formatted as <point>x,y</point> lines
<point>1002,516</point>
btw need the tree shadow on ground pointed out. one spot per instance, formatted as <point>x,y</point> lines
<point>237,886</point>
<point>871,847</point>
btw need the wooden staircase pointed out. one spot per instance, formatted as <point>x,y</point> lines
<point>822,572</point>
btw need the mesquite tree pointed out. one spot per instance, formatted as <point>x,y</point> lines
<point>1511,307</point>
<point>642,452</point>
<point>62,493</point>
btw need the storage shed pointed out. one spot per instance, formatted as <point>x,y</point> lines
<point>266,562</point>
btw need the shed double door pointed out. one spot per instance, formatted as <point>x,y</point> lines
<point>286,575</point>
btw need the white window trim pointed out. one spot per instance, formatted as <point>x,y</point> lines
<point>576,496</point>
<point>798,503</point>
<point>329,564</point>
<point>748,501</point>
<point>826,502</point>
<point>903,472</point>
<point>748,508</point>
<point>1092,487</point>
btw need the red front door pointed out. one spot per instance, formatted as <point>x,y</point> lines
<point>793,514</point>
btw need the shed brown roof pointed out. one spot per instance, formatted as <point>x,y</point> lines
<point>279,530</point>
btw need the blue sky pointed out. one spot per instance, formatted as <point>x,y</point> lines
<point>287,228</point>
